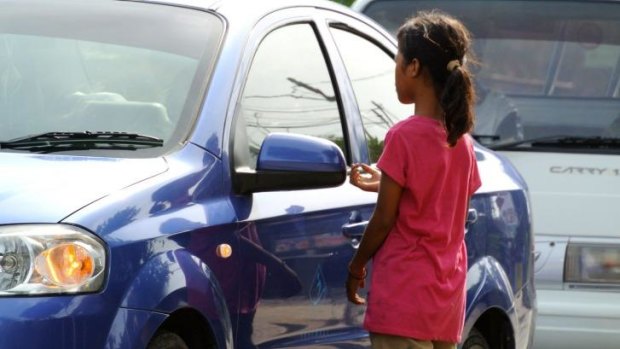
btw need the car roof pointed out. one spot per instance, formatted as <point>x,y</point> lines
<point>251,9</point>
<point>361,4</point>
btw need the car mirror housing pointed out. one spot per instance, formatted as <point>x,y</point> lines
<point>293,162</point>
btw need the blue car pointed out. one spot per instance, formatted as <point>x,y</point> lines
<point>173,175</point>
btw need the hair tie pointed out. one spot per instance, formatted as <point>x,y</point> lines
<point>453,65</point>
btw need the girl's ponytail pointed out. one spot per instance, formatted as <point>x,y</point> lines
<point>457,100</point>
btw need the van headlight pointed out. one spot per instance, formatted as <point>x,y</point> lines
<point>592,263</point>
<point>37,259</point>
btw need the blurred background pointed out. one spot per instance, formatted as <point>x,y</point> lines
<point>344,2</point>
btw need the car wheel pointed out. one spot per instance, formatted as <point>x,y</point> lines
<point>475,340</point>
<point>167,340</point>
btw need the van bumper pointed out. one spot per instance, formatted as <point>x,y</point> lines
<point>577,319</point>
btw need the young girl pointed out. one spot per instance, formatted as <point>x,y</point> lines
<point>428,174</point>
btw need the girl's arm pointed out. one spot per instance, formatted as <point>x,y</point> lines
<point>380,224</point>
<point>368,181</point>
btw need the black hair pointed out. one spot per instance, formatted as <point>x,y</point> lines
<point>440,43</point>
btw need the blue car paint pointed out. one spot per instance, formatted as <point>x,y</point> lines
<point>500,269</point>
<point>162,219</point>
<point>488,291</point>
<point>133,328</point>
<point>26,176</point>
<point>288,153</point>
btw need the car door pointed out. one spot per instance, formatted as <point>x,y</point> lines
<point>293,241</point>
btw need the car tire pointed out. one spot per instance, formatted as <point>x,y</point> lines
<point>475,340</point>
<point>167,340</point>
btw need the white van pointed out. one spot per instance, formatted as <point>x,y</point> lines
<point>549,100</point>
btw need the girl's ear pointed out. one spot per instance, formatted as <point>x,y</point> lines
<point>414,68</point>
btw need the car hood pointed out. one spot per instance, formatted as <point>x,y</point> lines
<point>572,194</point>
<point>48,188</point>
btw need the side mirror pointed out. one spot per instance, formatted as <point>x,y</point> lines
<point>291,162</point>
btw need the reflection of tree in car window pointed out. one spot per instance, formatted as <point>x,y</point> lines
<point>371,72</point>
<point>284,93</point>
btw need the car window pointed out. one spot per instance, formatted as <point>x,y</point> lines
<point>289,89</point>
<point>371,71</point>
<point>56,76</point>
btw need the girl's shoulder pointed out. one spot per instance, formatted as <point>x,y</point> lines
<point>468,140</point>
<point>418,125</point>
<point>420,120</point>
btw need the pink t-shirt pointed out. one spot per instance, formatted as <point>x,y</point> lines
<point>417,288</point>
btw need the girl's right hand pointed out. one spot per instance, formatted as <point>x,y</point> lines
<point>356,279</point>
<point>365,177</point>
<point>353,285</point>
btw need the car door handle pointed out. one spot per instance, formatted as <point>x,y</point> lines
<point>354,231</point>
<point>472,217</point>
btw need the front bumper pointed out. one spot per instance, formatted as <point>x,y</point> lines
<point>53,322</point>
<point>577,319</point>
<point>72,322</point>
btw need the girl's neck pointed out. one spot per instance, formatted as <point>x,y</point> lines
<point>424,96</point>
<point>427,105</point>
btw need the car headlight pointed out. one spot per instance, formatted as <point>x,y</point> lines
<point>38,259</point>
<point>592,263</point>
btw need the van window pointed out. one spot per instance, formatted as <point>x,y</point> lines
<point>549,74</point>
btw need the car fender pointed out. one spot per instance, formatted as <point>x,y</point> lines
<point>175,280</point>
<point>488,287</point>
<point>133,328</point>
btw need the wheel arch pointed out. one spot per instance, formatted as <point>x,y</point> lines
<point>496,328</point>
<point>191,326</point>
<point>180,286</point>
<point>490,306</point>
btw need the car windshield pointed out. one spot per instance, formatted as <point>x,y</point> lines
<point>90,67</point>
<point>548,70</point>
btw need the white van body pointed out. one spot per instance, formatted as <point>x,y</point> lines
<point>549,82</point>
<point>575,202</point>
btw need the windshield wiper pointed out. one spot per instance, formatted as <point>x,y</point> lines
<point>563,141</point>
<point>62,141</point>
<point>485,139</point>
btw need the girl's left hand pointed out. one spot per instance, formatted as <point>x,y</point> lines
<point>368,181</point>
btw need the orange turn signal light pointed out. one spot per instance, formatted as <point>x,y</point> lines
<point>223,251</point>
<point>65,265</point>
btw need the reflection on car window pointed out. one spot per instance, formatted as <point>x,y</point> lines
<point>88,75</point>
<point>505,68</point>
<point>371,71</point>
<point>547,70</point>
<point>74,85</point>
<point>585,70</point>
<point>289,89</point>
